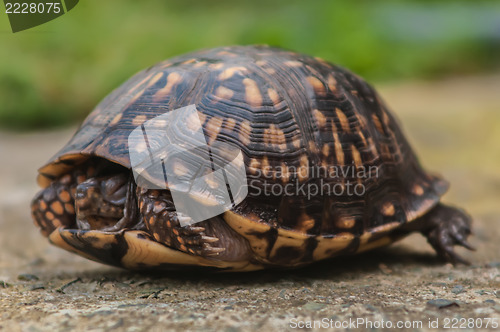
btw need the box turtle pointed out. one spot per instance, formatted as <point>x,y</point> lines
<point>328,170</point>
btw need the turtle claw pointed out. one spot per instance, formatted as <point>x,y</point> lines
<point>197,229</point>
<point>212,251</point>
<point>209,239</point>
<point>465,244</point>
<point>451,256</point>
<point>196,242</point>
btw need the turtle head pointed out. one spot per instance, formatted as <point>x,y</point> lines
<point>100,201</point>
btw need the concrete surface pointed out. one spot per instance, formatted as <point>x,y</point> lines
<point>454,126</point>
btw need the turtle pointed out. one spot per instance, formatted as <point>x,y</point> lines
<point>353,183</point>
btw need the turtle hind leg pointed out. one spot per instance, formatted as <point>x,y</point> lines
<point>209,238</point>
<point>445,227</point>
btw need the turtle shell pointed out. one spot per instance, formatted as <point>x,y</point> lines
<point>292,116</point>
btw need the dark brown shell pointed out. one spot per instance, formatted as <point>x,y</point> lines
<point>284,110</point>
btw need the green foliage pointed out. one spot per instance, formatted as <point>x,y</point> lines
<point>57,72</point>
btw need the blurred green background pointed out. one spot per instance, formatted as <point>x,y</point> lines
<point>56,73</point>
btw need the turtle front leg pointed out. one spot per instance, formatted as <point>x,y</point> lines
<point>209,238</point>
<point>445,227</point>
<point>162,221</point>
